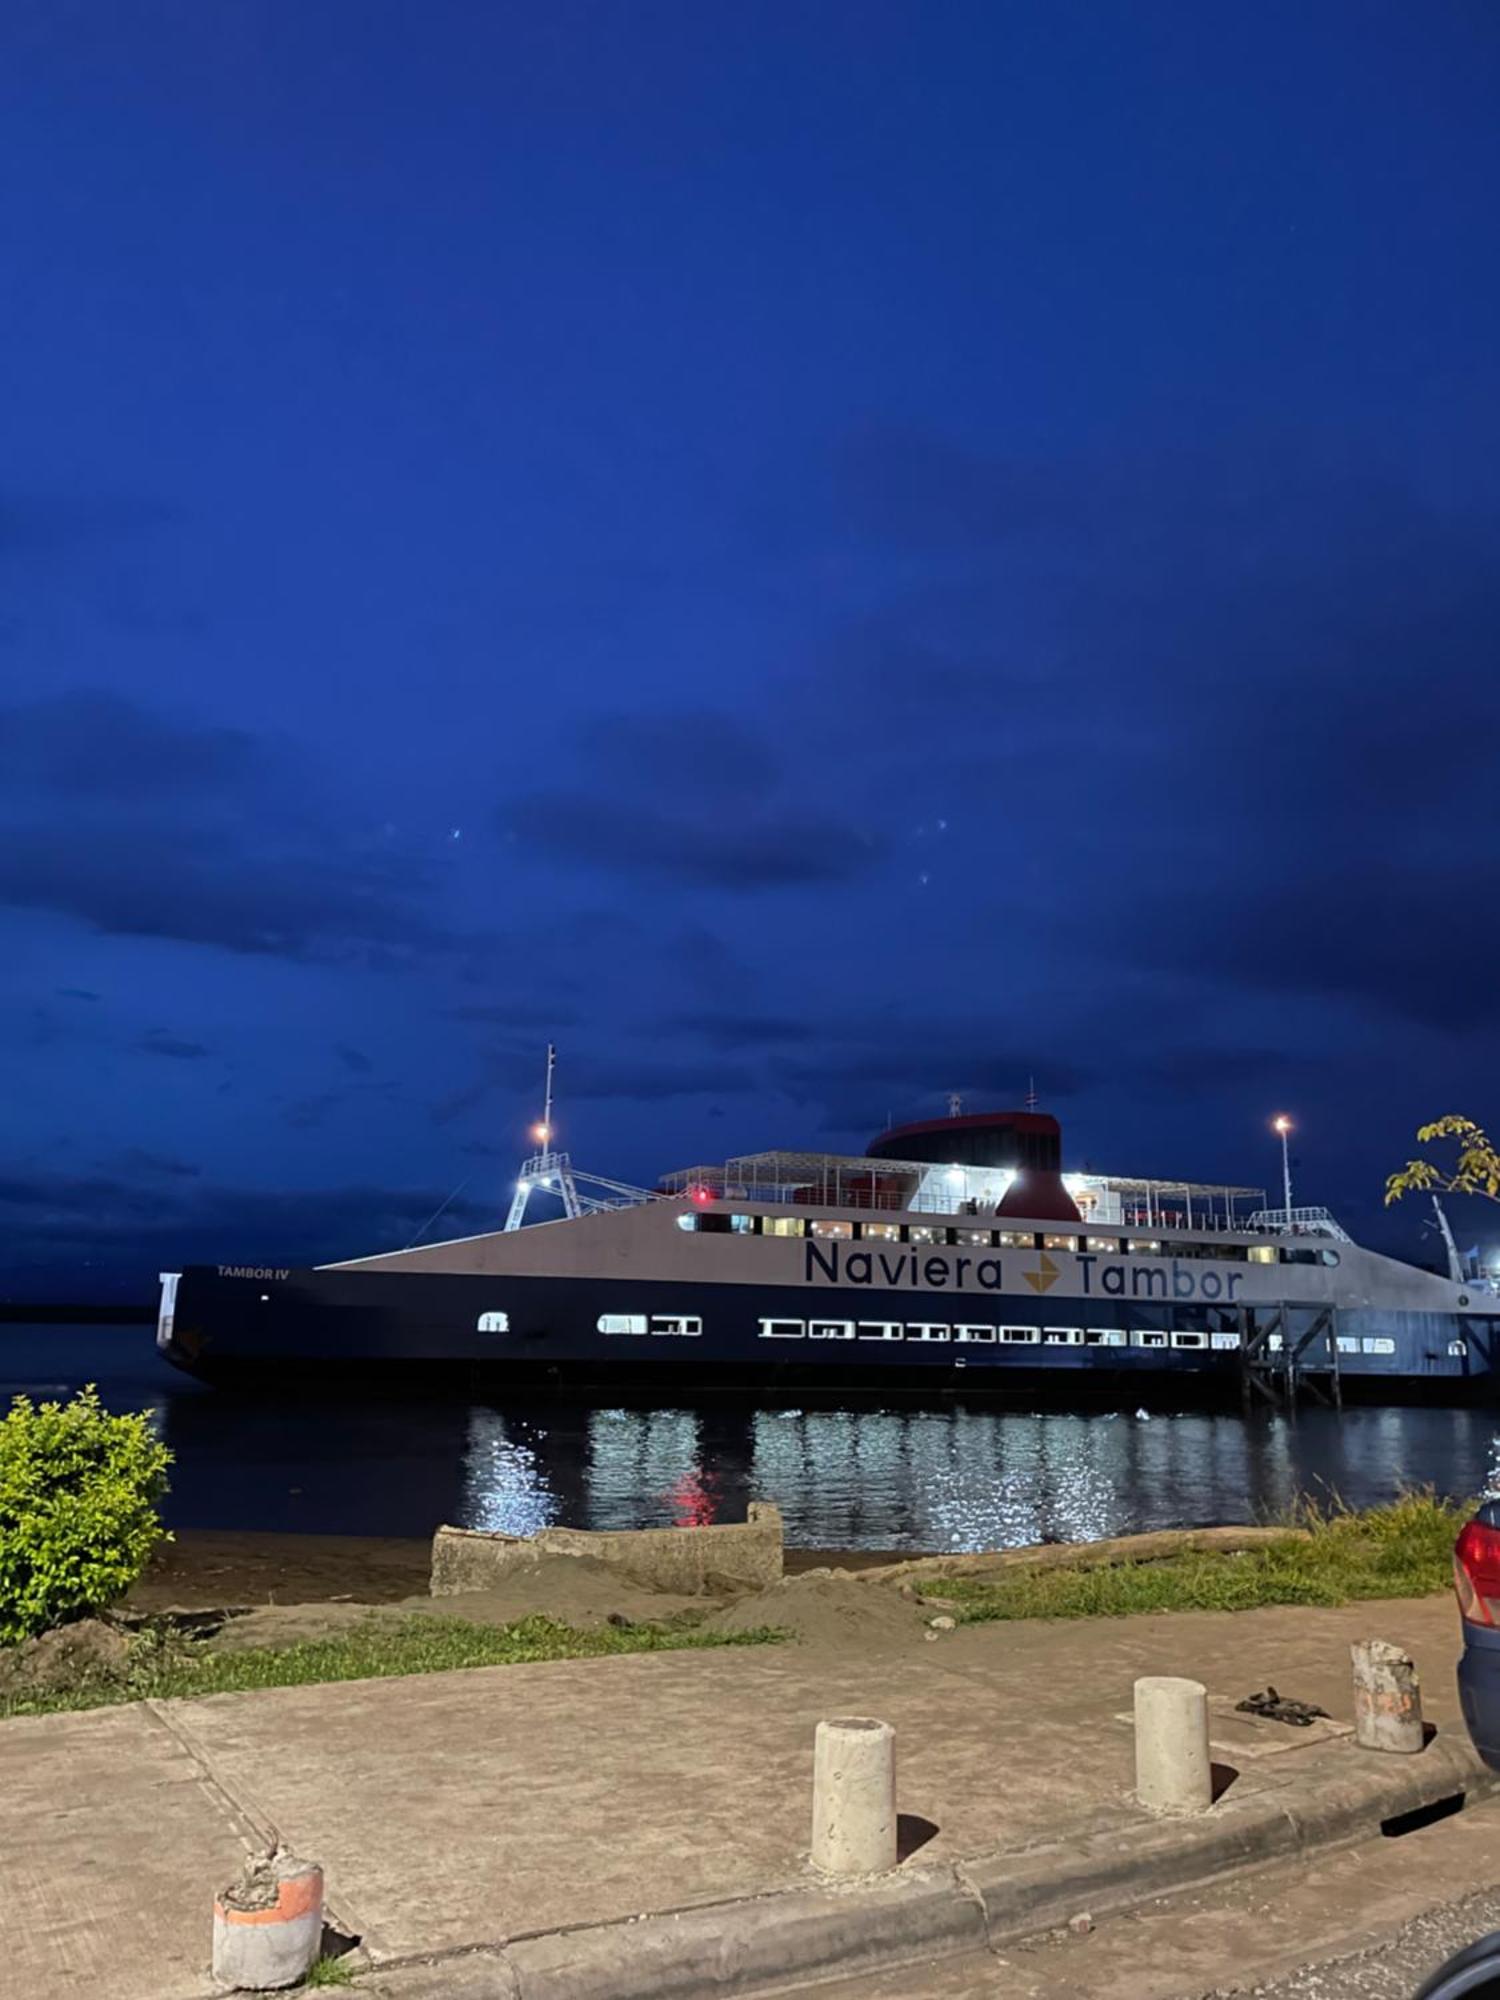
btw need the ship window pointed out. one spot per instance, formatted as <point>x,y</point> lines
<point>881,1329</point>
<point>1224,1343</point>
<point>782,1329</point>
<point>840,1229</point>
<point>494,1323</point>
<point>1103,1336</point>
<point>1329,1257</point>
<point>1262,1253</point>
<point>880,1232</point>
<point>1347,1344</point>
<point>1275,1343</point>
<point>973,1333</point>
<point>1144,1246</point>
<point>1017,1239</point>
<point>1019,1336</point>
<point>622,1322</point>
<point>1105,1246</point>
<point>684,1323</point>
<point>1190,1340</point>
<point>922,1233</point>
<point>1151,1340</point>
<point>688,1222</point>
<point>922,1329</point>
<point>782,1225</point>
<point>743,1225</point>
<point>980,1238</point>
<point>1458,1349</point>
<point>1059,1242</point>
<point>1062,1336</point>
<point>1380,1345</point>
<point>830,1329</point>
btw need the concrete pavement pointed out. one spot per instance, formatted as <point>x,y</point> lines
<point>468,1810</point>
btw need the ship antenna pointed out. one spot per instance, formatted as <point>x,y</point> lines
<point>1031,1093</point>
<point>955,1105</point>
<point>546,1131</point>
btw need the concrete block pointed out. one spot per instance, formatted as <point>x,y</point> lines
<point>268,1924</point>
<point>1387,1698</point>
<point>688,1562</point>
<point>1173,1773</point>
<point>854,1797</point>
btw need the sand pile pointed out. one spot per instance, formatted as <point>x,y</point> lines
<point>826,1608</point>
<point>86,1654</point>
<point>575,1590</point>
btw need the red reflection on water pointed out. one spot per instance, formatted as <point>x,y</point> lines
<point>693,1500</point>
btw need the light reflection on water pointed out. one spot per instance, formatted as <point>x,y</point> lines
<point>952,1478</point>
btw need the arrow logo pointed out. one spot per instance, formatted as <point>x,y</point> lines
<point>1044,1279</point>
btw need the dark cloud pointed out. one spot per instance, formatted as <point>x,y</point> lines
<point>1383,938</point>
<point>702,754</point>
<point>1242,720</point>
<point>141,826</point>
<point>698,799</point>
<point>519,1014</point>
<point>772,852</point>
<point>76,993</point>
<point>354,1059</point>
<point>306,1114</point>
<point>589,1078</point>
<point>96,1235</point>
<point>91,744</point>
<point>136,1160</point>
<point>729,1030</point>
<point>902,1070</point>
<point>159,1043</point>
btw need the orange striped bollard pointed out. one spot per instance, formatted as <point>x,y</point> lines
<point>268,1925</point>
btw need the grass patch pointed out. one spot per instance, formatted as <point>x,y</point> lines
<point>329,1972</point>
<point>161,1666</point>
<point>1404,1549</point>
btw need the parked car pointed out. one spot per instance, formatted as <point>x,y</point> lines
<point>1476,1578</point>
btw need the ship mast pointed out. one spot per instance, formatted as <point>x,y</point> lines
<point>547,1167</point>
<point>551,1171</point>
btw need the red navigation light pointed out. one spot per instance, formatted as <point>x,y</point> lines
<point>1476,1573</point>
<point>702,1196</point>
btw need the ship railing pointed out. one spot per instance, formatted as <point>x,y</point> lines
<point>1298,1222</point>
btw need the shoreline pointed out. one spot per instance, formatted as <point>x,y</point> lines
<point>211,1567</point>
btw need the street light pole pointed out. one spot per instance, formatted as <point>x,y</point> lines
<point>1283,1125</point>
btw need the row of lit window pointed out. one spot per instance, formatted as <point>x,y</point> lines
<point>1003,1336</point>
<point>837,1230</point>
<point>690,1326</point>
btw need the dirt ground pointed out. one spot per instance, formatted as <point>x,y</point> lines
<point>288,1588</point>
<point>207,1567</point>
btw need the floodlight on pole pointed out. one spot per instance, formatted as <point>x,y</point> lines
<point>1283,1125</point>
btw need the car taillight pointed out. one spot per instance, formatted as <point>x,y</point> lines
<point>1476,1573</point>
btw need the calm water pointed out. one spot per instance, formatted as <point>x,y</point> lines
<point>898,1478</point>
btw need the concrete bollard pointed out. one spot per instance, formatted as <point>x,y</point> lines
<point>854,1797</point>
<point>1387,1698</point>
<point>268,1925</point>
<point>1172,1769</point>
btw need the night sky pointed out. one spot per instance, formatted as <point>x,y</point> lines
<point>816,555</point>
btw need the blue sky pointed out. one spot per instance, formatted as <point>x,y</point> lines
<point>816,556</point>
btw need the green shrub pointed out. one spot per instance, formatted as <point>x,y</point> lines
<point>78,1498</point>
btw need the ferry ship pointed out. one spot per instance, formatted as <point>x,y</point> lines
<point>953,1257</point>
